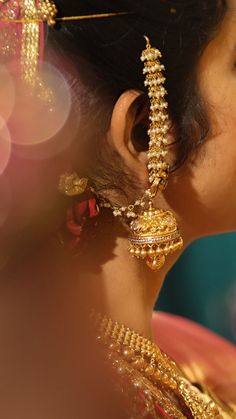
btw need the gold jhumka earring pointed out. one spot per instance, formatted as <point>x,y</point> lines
<point>154,232</point>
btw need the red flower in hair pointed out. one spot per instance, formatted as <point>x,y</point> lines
<point>80,221</point>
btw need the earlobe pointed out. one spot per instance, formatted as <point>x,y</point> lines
<point>128,131</point>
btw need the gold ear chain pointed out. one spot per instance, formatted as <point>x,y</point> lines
<point>154,231</point>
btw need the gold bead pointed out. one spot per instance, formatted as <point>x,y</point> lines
<point>172,383</point>
<point>139,362</point>
<point>143,253</point>
<point>157,374</point>
<point>165,378</point>
<point>128,354</point>
<point>114,346</point>
<point>120,370</point>
<point>149,370</point>
<point>156,263</point>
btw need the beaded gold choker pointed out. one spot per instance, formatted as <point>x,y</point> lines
<point>129,351</point>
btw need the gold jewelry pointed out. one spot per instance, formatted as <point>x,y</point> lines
<point>70,184</point>
<point>154,236</point>
<point>65,18</point>
<point>154,232</point>
<point>32,17</point>
<point>130,352</point>
<point>34,14</point>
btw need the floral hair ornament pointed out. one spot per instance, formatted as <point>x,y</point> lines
<point>29,17</point>
<point>82,213</point>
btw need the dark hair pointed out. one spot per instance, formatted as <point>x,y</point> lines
<point>181,29</point>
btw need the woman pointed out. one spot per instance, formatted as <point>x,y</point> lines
<point>120,143</point>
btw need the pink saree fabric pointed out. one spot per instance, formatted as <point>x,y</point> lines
<point>204,356</point>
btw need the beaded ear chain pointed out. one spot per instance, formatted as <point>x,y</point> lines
<point>154,232</point>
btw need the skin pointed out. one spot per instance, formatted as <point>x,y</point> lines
<point>202,196</point>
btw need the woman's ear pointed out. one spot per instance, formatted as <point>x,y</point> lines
<point>128,132</point>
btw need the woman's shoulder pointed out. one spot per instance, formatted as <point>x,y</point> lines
<point>203,355</point>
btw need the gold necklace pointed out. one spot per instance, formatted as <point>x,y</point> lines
<point>134,353</point>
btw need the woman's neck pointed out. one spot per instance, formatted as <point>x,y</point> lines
<point>129,288</point>
<point>118,285</point>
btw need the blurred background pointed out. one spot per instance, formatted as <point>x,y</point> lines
<point>202,285</point>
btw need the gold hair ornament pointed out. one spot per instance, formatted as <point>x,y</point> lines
<point>32,16</point>
<point>51,20</point>
<point>71,185</point>
<point>34,13</point>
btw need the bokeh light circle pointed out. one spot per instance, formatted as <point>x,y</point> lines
<point>7,96</point>
<point>5,200</point>
<point>37,118</point>
<point>5,145</point>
